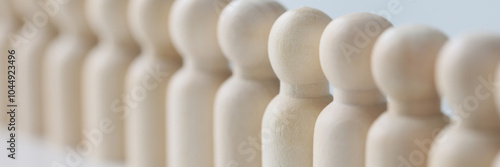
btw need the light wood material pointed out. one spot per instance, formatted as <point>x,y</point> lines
<point>345,53</point>
<point>465,77</point>
<point>191,93</point>
<point>243,32</point>
<point>62,73</point>
<point>288,124</point>
<point>403,67</point>
<point>147,81</point>
<point>10,24</point>
<point>104,78</point>
<point>29,66</point>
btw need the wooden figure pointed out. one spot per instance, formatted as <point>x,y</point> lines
<point>8,34</point>
<point>104,77</point>
<point>465,78</point>
<point>62,75</point>
<point>288,124</point>
<point>403,67</point>
<point>147,82</point>
<point>345,53</point>
<point>29,65</point>
<point>191,93</point>
<point>243,32</point>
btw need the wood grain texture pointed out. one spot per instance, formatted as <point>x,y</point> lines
<point>288,123</point>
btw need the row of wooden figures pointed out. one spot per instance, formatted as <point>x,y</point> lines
<point>147,82</point>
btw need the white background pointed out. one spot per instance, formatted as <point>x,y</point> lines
<point>453,17</point>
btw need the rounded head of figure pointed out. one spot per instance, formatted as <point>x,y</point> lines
<point>294,45</point>
<point>28,9</point>
<point>69,16</point>
<point>243,32</point>
<point>193,30</point>
<point>149,23</point>
<point>109,19</point>
<point>465,76</point>
<point>9,16</point>
<point>404,60</point>
<point>346,48</point>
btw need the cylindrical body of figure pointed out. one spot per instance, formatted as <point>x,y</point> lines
<point>104,79</point>
<point>29,65</point>
<point>191,93</point>
<point>243,32</point>
<point>146,84</point>
<point>341,129</point>
<point>289,120</point>
<point>62,76</point>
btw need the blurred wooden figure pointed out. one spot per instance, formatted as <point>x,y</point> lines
<point>9,39</point>
<point>191,93</point>
<point>403,67</point>
<point>29,65</point>
<point>243,32</point>
<point>345,53</point>
<point>104,78</point>
<point>62,75</point>
<point>288,124</point>
<point>147,81</point>
<point>465,77</point>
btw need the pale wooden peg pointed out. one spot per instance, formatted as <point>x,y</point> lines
<point>10,23</point>
<point>191,93</point>
<point>61,71</point>
<point>345,53</point>
<point>147,81</point>
<point>243,32</point>
<point>29,65</point>
<point>104,78</point>
<point>403,66</point>
<point>465,73</point>
<point>288,124</point>
<point>465,79</point>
